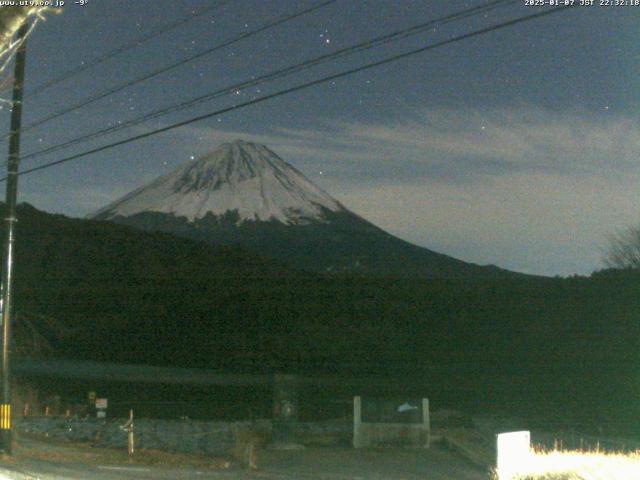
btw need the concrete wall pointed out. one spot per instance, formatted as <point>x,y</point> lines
<point>367,434</point>
<point>207,438</point>
<point>388,434</point>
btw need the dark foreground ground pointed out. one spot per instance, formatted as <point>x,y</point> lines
<point>40,459</point>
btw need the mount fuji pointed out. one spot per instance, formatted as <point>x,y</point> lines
<point>244,194</point>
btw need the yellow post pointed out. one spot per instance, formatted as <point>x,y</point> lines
<point>5,416</point>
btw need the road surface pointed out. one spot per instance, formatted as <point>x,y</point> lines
<point>49,461</point>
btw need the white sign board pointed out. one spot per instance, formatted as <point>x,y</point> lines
<point>101,403</point>
<point>513,452</point>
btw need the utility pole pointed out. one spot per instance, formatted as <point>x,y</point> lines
<point>7,271</point>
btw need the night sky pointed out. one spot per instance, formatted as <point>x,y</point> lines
<point>517,148</point>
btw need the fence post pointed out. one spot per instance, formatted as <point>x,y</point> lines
<point>357,421</point>
<point>128,427</point>
<point>130,436</point>
<point>426,420</point>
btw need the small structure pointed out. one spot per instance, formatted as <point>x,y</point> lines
<point>391,422</point>
<point>285,412</point>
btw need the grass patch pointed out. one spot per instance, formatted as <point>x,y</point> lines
<point>32,447</point>
<point>577,465</point>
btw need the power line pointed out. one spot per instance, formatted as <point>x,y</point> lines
<point>282,73</point>
<point>155,73</point>
<point>279,74</point>
<point>300,87</point>
<point>126,47</point>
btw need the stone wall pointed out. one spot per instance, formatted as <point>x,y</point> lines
<point>186,436</point>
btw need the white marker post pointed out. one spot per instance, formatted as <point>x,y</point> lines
<point>512,453</point>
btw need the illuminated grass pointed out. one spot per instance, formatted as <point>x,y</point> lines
<point>577,465</point>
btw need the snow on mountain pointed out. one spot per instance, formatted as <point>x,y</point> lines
<point>244,177</point>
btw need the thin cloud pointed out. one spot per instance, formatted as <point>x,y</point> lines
<point>524,138</point>
<point>454,145</point>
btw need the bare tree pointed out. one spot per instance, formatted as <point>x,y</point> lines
<point>624,249</point>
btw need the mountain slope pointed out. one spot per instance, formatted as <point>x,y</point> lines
<point>128,295</point>
<point>123,295</point>
<point>244,194</point>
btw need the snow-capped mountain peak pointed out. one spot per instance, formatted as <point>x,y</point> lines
<point>241,177</point>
